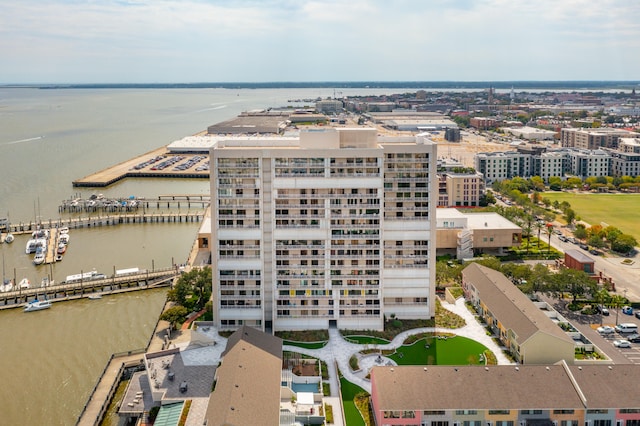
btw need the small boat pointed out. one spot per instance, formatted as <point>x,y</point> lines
<point>38,259</point>
<point>95,296</point>
<point>24,283</point>
<point>63,230</point>
<point>46,282</point>
<point>61,248</point>
<point>64,239</point>
<point>8,238</point>
<point>58,257</point>
<point>40,233</point>
<point>37,305</point>
<point>7,285</point>
<point>31,246</point>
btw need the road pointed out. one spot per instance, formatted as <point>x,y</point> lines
<point>625,277</point>
<point>587,324</point>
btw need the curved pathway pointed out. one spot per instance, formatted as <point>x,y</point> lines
<point>339,351</point>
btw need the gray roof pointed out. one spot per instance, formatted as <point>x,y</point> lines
<point>609,386</point>
<point>247,388</point>
<point>509,305</point>
<point>474,388</point>
<point>579,256</point>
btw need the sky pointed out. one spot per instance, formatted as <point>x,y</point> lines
<point>190,41</point>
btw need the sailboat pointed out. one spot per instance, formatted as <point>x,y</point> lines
<point>7,285</point>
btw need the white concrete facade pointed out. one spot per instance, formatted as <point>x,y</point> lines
<point>337,226</point>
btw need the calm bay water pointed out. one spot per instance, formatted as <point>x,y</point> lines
<point>50,360</point>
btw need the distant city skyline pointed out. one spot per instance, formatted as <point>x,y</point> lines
<point>164,41</point>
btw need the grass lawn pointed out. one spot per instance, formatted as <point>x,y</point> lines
<point>619,210</point>
<point>351,413</point>
<point>452,351</point>
<point>306,345</point>
<point>367,340</point>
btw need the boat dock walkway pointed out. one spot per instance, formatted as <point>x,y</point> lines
<point>52,247</point>
<point>103,391</point>
<point>75,290</point>
<point>143,166</point>
<point>107,220</point>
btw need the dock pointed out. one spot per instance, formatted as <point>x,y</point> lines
<point>132,169</point>
<point>110,285</point>
<point>103,391</point>
<point>106,220</point>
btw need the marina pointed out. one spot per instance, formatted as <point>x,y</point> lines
<point>88,284</point>
<point>108,220</point>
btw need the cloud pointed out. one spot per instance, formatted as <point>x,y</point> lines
<point>277,40</point>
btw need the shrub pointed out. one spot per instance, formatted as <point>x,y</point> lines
<point>353,363</point>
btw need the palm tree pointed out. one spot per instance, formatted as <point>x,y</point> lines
<point>601,297</point>
<point>549,230</point>
<point>538,225</point>
<point>617,301</point>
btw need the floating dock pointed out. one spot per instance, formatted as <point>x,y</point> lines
<point>131,168</point>
<point>107,220</point>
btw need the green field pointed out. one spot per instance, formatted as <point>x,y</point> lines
<point>619,210</point>
<point>452,351</point>
<point>351,413</point>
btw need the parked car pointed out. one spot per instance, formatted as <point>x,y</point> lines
<point>562,238</point>
<point>594,252</point>
<point>637,314</point>
<point>603,310</point>
<point>627,310</point>
<point>583,246</point>
<point>634,338</point>
<point>605,329</point>
<point>622,343</point>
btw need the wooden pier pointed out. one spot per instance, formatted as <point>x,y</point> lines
<point>127,169</point>
<point>107,220</point>
<point>132,204</point>
<point>76,290</point>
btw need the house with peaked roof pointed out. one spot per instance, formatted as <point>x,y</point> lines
<point>247,382</point>
<point>529,334</point>
<point>500,395</point>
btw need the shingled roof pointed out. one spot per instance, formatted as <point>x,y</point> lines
<point>247,389</point>
<point>509,305</point>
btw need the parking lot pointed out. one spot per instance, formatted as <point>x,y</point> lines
<point>632,354</point>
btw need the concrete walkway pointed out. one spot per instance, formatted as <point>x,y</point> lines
<point>340,351</point>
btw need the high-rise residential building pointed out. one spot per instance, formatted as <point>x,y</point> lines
<point>334,227</point>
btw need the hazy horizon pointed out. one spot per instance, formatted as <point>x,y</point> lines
<point>168,41</point>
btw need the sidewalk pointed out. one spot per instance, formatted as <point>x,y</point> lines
<point>340,350</point>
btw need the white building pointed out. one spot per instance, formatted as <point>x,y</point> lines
<point>589,163</point>
<point>332,228</point>
<point>496,166</point>
<point>531,133</point>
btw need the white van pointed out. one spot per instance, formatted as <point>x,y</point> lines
<point>627,327</point>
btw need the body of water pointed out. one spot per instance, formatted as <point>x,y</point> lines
<point>52,359</point>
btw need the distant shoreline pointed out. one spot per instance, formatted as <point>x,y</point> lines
<point>519,85</point>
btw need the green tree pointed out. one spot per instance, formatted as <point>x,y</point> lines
<point>576,283</point>
<point>538,226</point>
<point>175,315</point>
<point>537,183</point>
<point>548,229</point>
<point>569,216</point>
<point>555,183</point>
<point>539,280</point>
<point>199,281</point>
<point>601,298</point>
<point>624,243</point>
<point>179,292</point>
<point>580,232</point>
